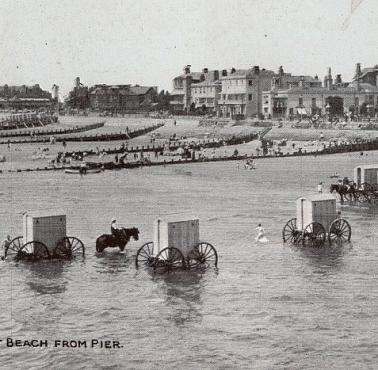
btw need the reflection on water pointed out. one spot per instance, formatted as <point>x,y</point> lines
<point>182,295</point>
<point>114,262</point>
<point>327,256</point>
<point>45,277</point>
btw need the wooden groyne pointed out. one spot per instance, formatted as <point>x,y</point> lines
<point>45,137</point>
<point>138,164</point>
<point>173,146</point>
<point>50,131</point>
<point>27,120</point>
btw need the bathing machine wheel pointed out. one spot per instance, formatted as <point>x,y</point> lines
<point>169,259</point>
<point>314,235</point>
<point>69,247</point>
<point>14,246</point>
<point>145,255</point>
<point>203,255</point>
<point>339,231</point>
<point>33,251</point>
<point>290,233</point>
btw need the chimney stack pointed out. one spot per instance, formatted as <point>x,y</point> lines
<point>358,70</point>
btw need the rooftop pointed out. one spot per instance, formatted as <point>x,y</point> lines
<point>368,166</point>
<point>45,213</point>
<point>318,197</point>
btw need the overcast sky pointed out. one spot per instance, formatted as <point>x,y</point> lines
<point>149,42</point>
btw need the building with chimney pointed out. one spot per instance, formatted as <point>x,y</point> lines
<point>300,96</point>
<point>24,97</point>
<point>122,98</point>
<point>241,94</point>
<point>205,94</point>
<point>181,95</point>
<point>78,97</point>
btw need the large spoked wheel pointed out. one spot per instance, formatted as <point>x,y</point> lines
<point>314,235</point>
<point>169,259</point>
<point>290,233</point>
<point>69,247</point>
<point>203,255</point>
<point>14,246</point>
<point>33,251</point>
<point>145,255</point>
<point>339,231</point>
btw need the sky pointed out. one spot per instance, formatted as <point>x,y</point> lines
<point>149,42</point>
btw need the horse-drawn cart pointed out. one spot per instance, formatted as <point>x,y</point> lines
<point>366,180</point>
<point>316,221</point>
<point>362,189</point>
<point>176,245</point>
<point>44,236</point>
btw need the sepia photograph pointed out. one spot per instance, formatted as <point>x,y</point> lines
<point>188,185</point>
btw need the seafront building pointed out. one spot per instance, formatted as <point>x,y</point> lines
<point>122,98</point>
<point>112,98</point>
<point>241,94</point>
<point>255,92</point>
<point>24,97</point>
<point>233,93</point>
<point>308,96</point>
<point>194,91</point>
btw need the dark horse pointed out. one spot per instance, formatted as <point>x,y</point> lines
<point>344,190</point>
<point>113,241</point>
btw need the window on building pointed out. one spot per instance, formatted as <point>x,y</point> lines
<point>250,82</point>
<point>249,96</point>
<point>313,102</point>
<point>300,102</point>
<point>236,82</point>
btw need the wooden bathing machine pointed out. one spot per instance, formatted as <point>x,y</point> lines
<point>320,208</point>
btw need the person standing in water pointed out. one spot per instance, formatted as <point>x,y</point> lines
<point>320,187</point>
<point>260,233</point>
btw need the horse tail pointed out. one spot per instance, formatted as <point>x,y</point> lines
<point>100,245</point>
